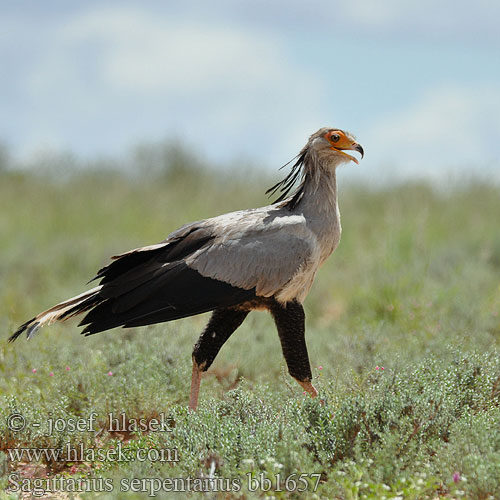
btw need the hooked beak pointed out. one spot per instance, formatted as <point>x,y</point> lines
<point>354,146</point>
<point>357,147</point>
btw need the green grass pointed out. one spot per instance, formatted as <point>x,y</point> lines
<point>414,287</point>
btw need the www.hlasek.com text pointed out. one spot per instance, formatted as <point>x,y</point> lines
<point>79,453</point>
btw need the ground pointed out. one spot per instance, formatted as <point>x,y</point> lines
<point>403,330</point>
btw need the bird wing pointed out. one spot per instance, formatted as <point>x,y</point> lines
<point>259,249</point>
<point>218,262</point>
<point>154,284</point>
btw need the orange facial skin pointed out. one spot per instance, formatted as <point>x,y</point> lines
<point>340,141</point>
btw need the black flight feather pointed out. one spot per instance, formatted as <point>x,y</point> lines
<point>177,293</point>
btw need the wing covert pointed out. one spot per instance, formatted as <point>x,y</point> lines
<point>264,256</point>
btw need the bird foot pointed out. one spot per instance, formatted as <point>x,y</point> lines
<point>309,388</point>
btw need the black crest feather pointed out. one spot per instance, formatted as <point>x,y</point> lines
<point>286,185</point>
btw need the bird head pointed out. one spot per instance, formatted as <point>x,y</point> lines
<point>332,142</point>
<point>325,148</point>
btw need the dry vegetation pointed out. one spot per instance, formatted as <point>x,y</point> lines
<point>413,288</point>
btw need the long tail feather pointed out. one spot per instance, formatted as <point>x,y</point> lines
<point>59,312</point>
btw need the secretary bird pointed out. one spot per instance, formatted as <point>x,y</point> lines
<point>261,258</point>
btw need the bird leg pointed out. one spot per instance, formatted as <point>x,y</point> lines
<point>195,386</point>
<point>290,322</point>
<point>221,325</point>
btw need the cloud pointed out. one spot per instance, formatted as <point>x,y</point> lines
<point>437,18</point>
<point>422,20</point>
<point>142,52</point>
<point>252,80</point>
<point>148,75</point>
<point>449,129</point>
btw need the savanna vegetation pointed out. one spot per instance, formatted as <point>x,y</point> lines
<point>403,329</point>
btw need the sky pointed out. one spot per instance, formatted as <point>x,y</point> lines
<point>246,82</point>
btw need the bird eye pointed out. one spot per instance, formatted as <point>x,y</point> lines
<point>335,137</point>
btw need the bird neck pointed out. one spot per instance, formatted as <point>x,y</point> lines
<point>320,208</point>
<point>319,188</point>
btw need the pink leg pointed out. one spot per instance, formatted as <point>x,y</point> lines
<point>195,386</point>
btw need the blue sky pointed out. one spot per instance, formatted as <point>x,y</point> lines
<point>417,82</point>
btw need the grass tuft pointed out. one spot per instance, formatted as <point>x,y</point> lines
<point>402,326</point>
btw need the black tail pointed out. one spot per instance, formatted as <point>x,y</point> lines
<point>145,286</point>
